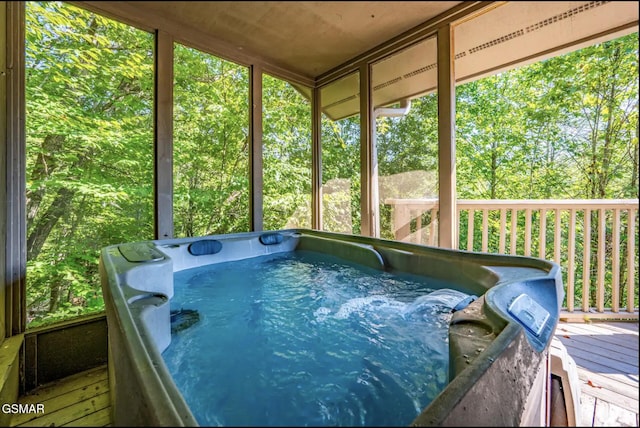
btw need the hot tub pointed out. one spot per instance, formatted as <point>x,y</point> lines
<point>498,339</point>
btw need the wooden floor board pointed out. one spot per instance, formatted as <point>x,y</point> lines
<point>71,383</point>
<point>593,344</point>
<point>70,413</point>
<point>621,399</point>
<point>609,415</point>
<point>97,419</point>
<point>625,341</point>
<point>587,410</point>
<point>603,364</point>
<point>78,400</point>
<point>606,357</point>
<point>60,402</point>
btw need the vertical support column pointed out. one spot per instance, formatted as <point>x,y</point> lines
<point>448,230</point>
<point>163,129</point>
<point>367,220</point>
<point>316,160</point>
<point>4,203</point>
<point>255,151</point>
<point>12,196</point>
<point>374,183</point>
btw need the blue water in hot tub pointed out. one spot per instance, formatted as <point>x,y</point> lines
<point>305,339</point>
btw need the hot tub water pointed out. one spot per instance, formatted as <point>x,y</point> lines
<point>304,338</point>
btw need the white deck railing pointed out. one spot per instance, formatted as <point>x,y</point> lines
<point>549,229</point>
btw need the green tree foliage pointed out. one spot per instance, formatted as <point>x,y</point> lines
<point>407,157</point>
<point>211,147</point>
<point>89,165</point>
<point>566,127</point>
<point>341,174</point>
<point>286,134</point>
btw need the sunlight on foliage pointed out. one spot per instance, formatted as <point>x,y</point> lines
<point>564,128</point>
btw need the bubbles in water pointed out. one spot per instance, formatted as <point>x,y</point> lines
<point>438,301</point>
<point>369,303</point>
<point>321,313</point>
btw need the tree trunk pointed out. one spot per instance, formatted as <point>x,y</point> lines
<point>45,223</point>
<point>45,165</point>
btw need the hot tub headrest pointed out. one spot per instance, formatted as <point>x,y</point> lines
<point>204,247</point>
<point>271,238</point>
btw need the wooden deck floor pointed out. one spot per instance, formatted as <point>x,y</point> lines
<point>606,356</point>
<point>81,400</point>
<point>605,353</point>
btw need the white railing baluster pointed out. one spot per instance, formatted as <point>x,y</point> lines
<point>485,230</point>
<point>608,266</point>
<point>602,228</point>
<point>557,238</point>
<point>586,261</point>
<point>631,259</point>
<point>433,227</point>
<point>470,231</point>
<point>503,230</point>
<point>527,232</point>
<point>514,226</point>
<point>542,236</point>
<point>615,262</point>
<point>457,237</point>
<point>571,255</point>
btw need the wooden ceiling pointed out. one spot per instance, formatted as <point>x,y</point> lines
<point>306,37</point>
<point>310,40</point>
